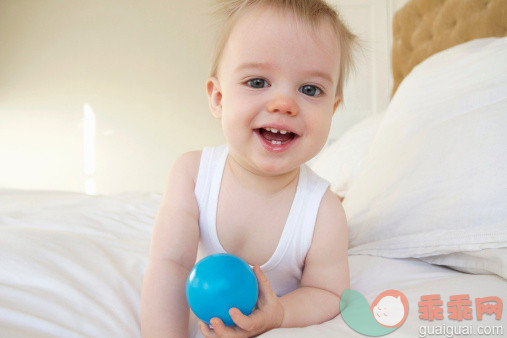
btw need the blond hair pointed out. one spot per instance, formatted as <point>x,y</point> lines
<point>311,12</point>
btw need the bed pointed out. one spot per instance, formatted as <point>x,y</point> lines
<point>424,186</point>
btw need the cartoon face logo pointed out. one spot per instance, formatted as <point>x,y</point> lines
<point>390,308</point>
<point>386,314</point>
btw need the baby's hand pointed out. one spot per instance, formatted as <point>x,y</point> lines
<point>268,315</point>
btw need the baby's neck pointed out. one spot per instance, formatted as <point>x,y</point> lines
<point>259,183</point>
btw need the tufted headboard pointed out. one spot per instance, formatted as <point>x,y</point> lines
<point>424,27</point>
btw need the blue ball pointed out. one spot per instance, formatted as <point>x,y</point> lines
<point>220,282</point>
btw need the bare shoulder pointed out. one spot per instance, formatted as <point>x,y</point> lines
<point>190,157</point>
<point>187,164</point>
<point>180,182</point>
<point>184,171</point>
<point>326,264</point>
<point>331,215</point>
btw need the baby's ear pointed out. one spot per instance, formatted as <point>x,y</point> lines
<point>337,101</point>
<point>214,96</point>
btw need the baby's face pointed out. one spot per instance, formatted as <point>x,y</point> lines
<point>275,92</point>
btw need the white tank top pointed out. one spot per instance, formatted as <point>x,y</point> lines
<point>285,267</point>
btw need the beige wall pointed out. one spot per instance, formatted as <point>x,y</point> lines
<point>141,66</point>
<point>136,63</point>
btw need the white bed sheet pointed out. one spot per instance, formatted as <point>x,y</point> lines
<point>372,275</point>
<point>72,265</point>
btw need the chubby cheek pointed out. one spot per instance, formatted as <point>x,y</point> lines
<point>320,131</point>
<point>235,126</point>
<point>237,115</point>
<point>231,132</point>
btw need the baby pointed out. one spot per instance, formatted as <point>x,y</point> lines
<point>275,83</point>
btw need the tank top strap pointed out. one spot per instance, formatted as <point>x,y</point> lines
<point>298,231</point>
<point>207,189</point>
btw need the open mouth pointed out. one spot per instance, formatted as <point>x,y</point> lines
<point>275,136</point>
<point>275,140</point>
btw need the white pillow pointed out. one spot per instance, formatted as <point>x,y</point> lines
<point>435,178</point>
<point>340,162</point>
<point>487,261</point>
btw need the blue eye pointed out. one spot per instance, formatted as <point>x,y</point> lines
<point>310,90</point>
<point>257,83</point>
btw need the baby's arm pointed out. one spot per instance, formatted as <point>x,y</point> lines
<point>326,271</point>
<point>164,310</point>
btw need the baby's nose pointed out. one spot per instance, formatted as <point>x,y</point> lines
<point>283,104</point>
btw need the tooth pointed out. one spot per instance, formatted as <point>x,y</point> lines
<point>273,142</point>
<point>268,129</point>
<point>283,132</point>
<point>273,130</point>
<point>278,142</point>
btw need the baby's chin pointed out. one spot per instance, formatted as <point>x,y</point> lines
<point>273,170</point>
<point>263,167</point>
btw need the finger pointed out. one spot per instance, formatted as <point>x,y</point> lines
<point>243,322</point>
<point>205,330</point>
<point>220,329</point>
<point>264,285</point>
